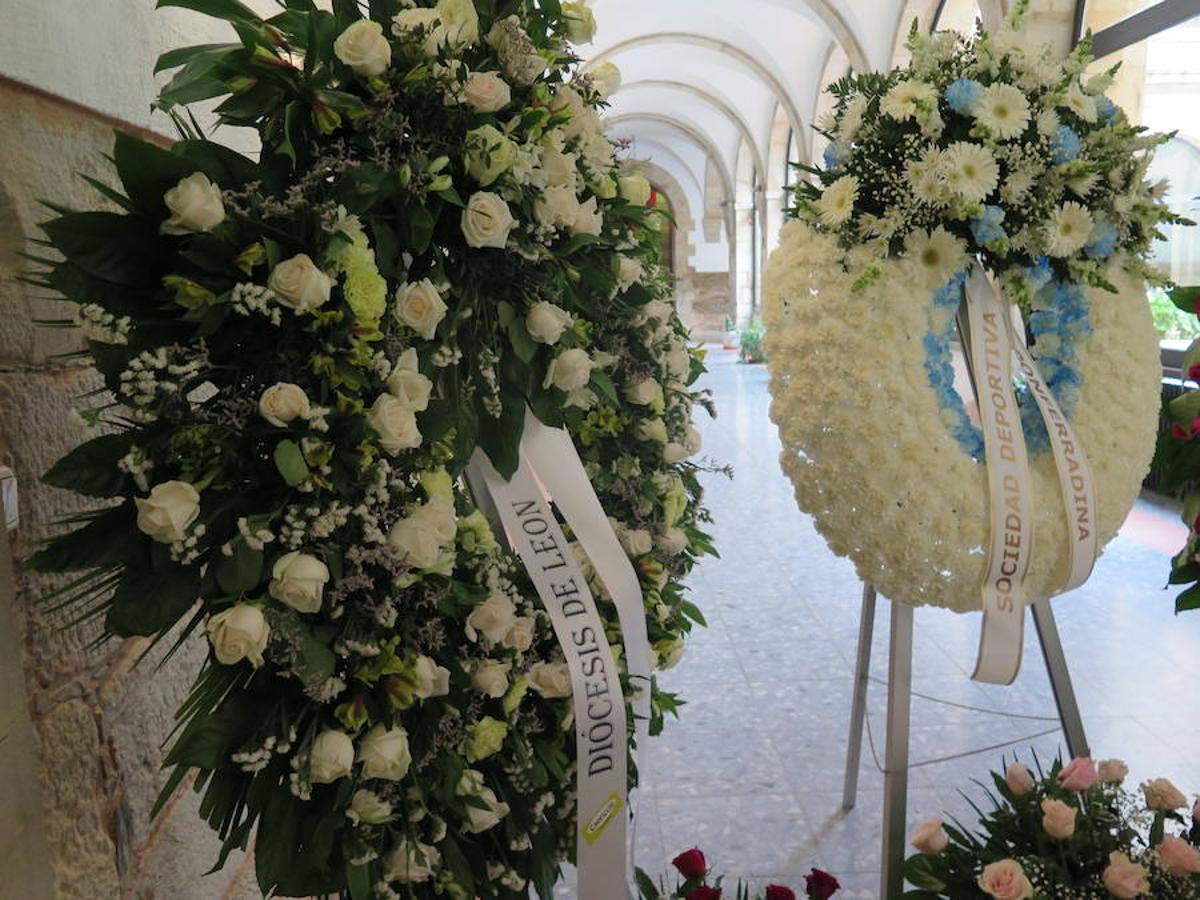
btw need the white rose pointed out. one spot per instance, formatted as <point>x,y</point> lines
<point>432,680</point>
<point>195,206</point>
<point>657,311</point>
<point>384,753</point>
<point>331,756</point>
<point>557,207</point>
<point>409,385</point>
<point>606,188</point>
<point>689,445</point>
<point>634,189</point>
<point>520,636</point>
<point>408,22</point>
<point>479,820</point>
<point>652,430</point>
<point>169,511</point>
<point>567,100</point>
<point>597,153</point>
<point>395,424</point>
<point>629,272</point>
<point>238,633</point>
<point>487,220</point>
<point>489,155</point>
<point>438,516</point>
<point>569,371</point>
<point>487,92</point>
<point>550,679</point>
<point>674,453</point>
<point>420,307</point>
<point>546,322</point>
<point>369,808</point>
<point>580,22</point>
<point>491,678</point>
<point>588,218</point>
<point>558,167</point>
<point>416,540</point>
<point>636,541</point>
<point>461,22</point>
<point>364,49</point>
<point>678,361</point>
<point>492,618</point>
<point>606,79</point>
<point>299,580</point>
<point>672,541</point>
<point>283,402</point>
<point>643,392</point>
<point>299,284</point>
<point>411,863</point>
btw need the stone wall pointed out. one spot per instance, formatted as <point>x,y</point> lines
<point>93,720</point>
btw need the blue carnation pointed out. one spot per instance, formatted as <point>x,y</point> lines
<point>834,155</point>
<point>986,227</point>
<point>1039,274</point>
<point>963,94</point>
<point>1066,144</point>
<point>1103,241</point>
<point>1105,108</point>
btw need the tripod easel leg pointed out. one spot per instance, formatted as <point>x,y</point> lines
<point>895,783</point>
<point>858,706</point>
<point>1060,679</point>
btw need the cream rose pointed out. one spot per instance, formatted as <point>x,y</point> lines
<point>384,753</point>
<point>479,820</point>
<point>1162,796</point>
<point>168,512</point>
<point>461,22</point>
<point>298,580</point>
<point>1123,878</point>
<point>597,153</point>
<point>629,272</point>
<point>1018,778</point>
<point>419,305</point>
<point>520,636</point>
<point>588,218</point>
<point>331,756</point>
<point>283,403</point>
<point>486,92</point>
<point>299,284</point>
<point>550,679</point>
<point>407,22</point>
<point>364,49</point>
<point>643,391</point>
<point>195,206</point>
<point>407,384</point>
<point>678,361</point>
<point>432,680</point>
<point>672,541</point>
<point>369,808</point>
<point>492,618</point>
<point>930,837</point>
<point>1112,771</point>
<point>546,322</point>
<point>395,424</point>
<point>1178,856</point>
<point>606,79</point>
<point>634,189</point>
<point>490,678</point>
<point>652,430</point>
<point>569,371</point>
<point>636,541</point>
<point>558,167</point>
<point>1005,880</point>
<point>558,207</point>
<point>1058,819</point>
<point>580,22</point>
<point>418,538</point>
<point>238,633</point>
<point>487,220</point>
<point>489,154</point>
<point>411,862</point>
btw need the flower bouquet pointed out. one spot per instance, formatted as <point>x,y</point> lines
<point>1070,833</point>
<point>300,354</point>
<point>696,882</point>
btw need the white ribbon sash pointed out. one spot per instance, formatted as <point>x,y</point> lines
<point>600,737</point>
<point>994,340</point>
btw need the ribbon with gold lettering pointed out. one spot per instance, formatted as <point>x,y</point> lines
<point>599,705</point>
<point>994,341</point>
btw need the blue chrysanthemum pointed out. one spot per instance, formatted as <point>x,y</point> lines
<point>1066,144</point>
<point>963,94</point>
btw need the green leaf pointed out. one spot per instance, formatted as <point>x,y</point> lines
<point>148,171</point>
<point>199,78</point>
<point>209,739</point>
<point>346,12</point>
<point>240,572</point>
<point>115,248</point>
<point>173,59</point>
<point>692,611</point>
<point>1185,298</point>
<point>110,539</point>
<point>420,228</point>
<point>501,440</point>
<point>147,602</point>
<point>358,880</point>
<point>230,10</point>
<point>91,469</point>
<point>646,887</point>
<point>315,662</point>
<point>601,381</point>
<point>1189,599</point>
<point>289,460</point>
<point>523,345</point>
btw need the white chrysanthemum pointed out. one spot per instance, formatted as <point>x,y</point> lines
<point>1017,186</point>
<point>1068,229</point>
<point>924,179</point>
<point>901,101</point>
<point>1082,185</point>
<point>970,170</point>
<point>852,118</point>
<point>1003,110</point>
<point>1080,103</point>
<point>836,202</point>
<point>1048,122</point>
<point>934,257</point>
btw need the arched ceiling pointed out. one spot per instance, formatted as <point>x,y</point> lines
<point>720,70</point>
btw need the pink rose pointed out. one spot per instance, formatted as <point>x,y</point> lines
<point>1019,779</point>
<point>1163,796</point>
<point>1112,771</point>
<point>1123,878</point>
<point>930,837</point>
<point>1058,819</point>
<point>1005,880</point>
<point>1178,856</point>
<point>1079,774</point>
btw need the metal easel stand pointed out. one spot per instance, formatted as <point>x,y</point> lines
<point>899,703</point>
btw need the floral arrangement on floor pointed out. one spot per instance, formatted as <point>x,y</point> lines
<point>696,882</point>
<point>1072,833</point>
<point>300,355</point>
<point>984,151</point>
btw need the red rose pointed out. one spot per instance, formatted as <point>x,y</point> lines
<point>691,865</point>
<point>1193,372</point>
<point>779,892</point>
<point>704,893</point>
<point>820,885</point>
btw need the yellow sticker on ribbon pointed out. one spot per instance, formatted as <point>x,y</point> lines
<point>597,823</point>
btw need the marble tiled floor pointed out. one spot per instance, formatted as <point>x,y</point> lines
<point>752,770</point>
